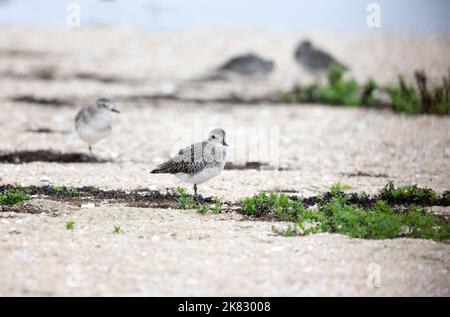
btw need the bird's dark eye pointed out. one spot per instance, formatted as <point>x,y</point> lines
<point>213,136</point>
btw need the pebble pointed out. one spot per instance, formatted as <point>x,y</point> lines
<point>88,206</point>
<point>24,221</point>
<point>277,249</point>
<point>14,231</point>
<point>168,88</point>
<point>45,180</point>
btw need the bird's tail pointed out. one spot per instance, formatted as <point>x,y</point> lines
<point>214,75</point>
<point>160,169</point>
<point>156,171</point>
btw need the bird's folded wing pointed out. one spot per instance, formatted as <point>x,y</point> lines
<point>174,167</point>
<point>322,58</point>
<point>189,160</point>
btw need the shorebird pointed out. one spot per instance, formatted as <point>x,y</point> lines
<point>314,60</point>
<point>198,162</point>
<point>95,123</point>
<point>248,65</point>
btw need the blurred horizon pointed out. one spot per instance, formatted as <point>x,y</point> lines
<point>281,15</point>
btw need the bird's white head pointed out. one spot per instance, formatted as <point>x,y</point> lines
<point>106,104</point>
<point>217,136</point>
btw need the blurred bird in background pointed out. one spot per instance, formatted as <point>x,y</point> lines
<point>250,66</point>
<point>313,60</point>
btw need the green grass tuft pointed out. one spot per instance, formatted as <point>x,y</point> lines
<point>335,213</point>
<point>405,97</point>
<point>339,188</point>
<point>184,201</point>
<point>202,209</point>
<point>337,91</point>
<point>13,195</point>
<point>368,97</point>
<point>70,225</point>
<point>408,193</point>
<point>94,191</point>
<point>70,191</point>
<point>217,208</point>
<point>117,229</point>
<point>446,197</point>
<point>283,207</point>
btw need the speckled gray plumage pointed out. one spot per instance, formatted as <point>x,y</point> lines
<point>86,116</point>
<point>249,64</point>
<point>314,59</point>
<point>189,160</point>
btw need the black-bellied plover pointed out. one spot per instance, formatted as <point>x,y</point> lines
<point>314,60</point>
<point>198,162</point>
<point>95,123</point>
<point>243,66</point>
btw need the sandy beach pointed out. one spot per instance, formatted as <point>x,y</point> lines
<point>48,75</point>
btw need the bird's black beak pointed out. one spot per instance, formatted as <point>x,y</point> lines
<point>115,110</point>
<point>225,143</point>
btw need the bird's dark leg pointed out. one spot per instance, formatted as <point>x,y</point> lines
<point>90,150</point>
<point>195,193</point>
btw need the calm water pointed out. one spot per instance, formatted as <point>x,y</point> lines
<point>396,15</point>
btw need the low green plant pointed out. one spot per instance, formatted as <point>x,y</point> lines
<point>287,97</point>
<point>378,222</point>
<point>13,195</point>
<point>435,99</point>
<point>404,97</point>
<point>280,205</point>
<point>70,225</point>
<point>289,231</point>
<point>117,229</point>
<point>57,189</point>
<point>257,204</point>
<point>70,191</point>
<point>335,213</point>
<point>202,209</point>
<point>407,194</point>
<point>184,201</point>
<point>339,188</point>
<point>368,97</point>
<point>338,90</point>
<point>420,97</point>
<point>446,196</point>
<point>217,208</point>
<point>94,190</point>
<point>248,206</point>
